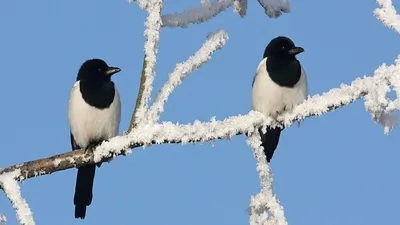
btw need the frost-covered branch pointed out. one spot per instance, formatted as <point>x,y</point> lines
<point>240,7</point>
<point>167,132</point>
<point>388,15</point>
<point>368,87</point>
<point>264,207</point>
<point>152,33</point>
<point>214,42</point>
<point>3,219</point>
<point>196,15</point>
<point>207,11</point>
<point>12,190</point>
<point>274,8</point>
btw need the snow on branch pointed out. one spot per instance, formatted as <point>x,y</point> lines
<point>196,15</point>
<point>373,88</point>
<point>266,200</point>
<point>274,8</point>
<point>168,132</point>
<point>214,42</point>
<point>240,7</point>
<point>3,219</point>
<point>13,192</point>
<point>152,33</point>
<point>377,101</point>
<point>388,15</point>
<point>206,11</point>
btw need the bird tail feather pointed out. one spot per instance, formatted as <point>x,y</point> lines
<point>270,140</point>
<point>84,189</point>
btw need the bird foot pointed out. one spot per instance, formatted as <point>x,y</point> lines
<point>90,148</point>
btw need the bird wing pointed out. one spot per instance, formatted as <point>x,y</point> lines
<point>73,143</point>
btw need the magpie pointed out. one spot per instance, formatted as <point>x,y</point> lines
<point>94,114</point>
<point>280,84</point>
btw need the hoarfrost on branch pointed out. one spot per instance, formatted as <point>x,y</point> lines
<point>3,219</point>
<point>13,192</point>
<point>145,129</point>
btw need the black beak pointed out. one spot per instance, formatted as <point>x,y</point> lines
<point>112,70</point>
<point>296,50</point>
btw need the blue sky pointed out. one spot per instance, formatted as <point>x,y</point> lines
<point>336,169</point>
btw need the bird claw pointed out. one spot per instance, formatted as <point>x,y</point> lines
<point>89,149</point>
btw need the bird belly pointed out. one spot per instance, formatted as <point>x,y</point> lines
<point>89,124</point>
<point>272,99</point>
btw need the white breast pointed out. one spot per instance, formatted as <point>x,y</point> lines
<point>88,123</point>
<point>271,99</point>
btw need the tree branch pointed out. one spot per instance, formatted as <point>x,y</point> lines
<point>3,219</point>
<point>196,15</point>
<point>13,193</point>
<point>152,33</point>
<point>139,98</point>
<point>168,132</point>
<point>273,8</point>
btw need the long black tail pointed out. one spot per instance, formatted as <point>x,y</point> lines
<point>83,189</point>
<point>270,141</point>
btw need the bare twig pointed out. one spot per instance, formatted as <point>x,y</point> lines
<point>139,98</point>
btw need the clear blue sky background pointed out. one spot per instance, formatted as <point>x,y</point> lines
<point>336,169</point>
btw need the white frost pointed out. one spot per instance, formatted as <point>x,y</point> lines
<point>274,8</point>
<point>373,88</point>
<point>196,15</point>
<point>3,219</point>
<point>207,10</point>
<point>388,15</point>
<point>266,200</point>
<point>13,192</point>
<point>152,33</point>
<point>240,7</point>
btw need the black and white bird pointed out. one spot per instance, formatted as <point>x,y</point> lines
<point>280,84</point>
<point>94,115</point>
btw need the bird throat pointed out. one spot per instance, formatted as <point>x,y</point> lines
<point>97,94</point>
<point>284,71</point>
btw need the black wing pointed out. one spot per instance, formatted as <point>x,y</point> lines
<point>73,143</point>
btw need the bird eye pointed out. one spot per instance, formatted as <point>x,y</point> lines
<point>100,70</point>
<point>283,47</point>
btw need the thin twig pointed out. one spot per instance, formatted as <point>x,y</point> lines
<point>139,98</point>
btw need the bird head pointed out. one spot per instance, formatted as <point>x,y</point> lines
<point>282,47</point>
<point>96,69</point>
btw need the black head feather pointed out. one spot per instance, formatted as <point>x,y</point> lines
<point>282,66</point>
<point>95,83</point>
<point>282,47</point>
